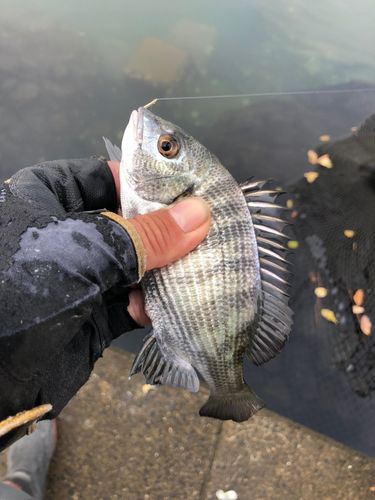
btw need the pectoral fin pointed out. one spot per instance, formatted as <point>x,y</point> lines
<point>161,366</point>
<point>114,152</point>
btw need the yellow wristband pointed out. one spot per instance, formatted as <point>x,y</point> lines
<point>136,239</point>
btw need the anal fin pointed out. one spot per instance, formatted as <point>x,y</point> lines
<point>161,366</point>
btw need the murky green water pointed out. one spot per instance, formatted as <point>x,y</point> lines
<point>72,71</point>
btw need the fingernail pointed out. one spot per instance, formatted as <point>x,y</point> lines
<point>190,213</point>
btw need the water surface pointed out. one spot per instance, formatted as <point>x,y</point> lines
<point>72,71</point>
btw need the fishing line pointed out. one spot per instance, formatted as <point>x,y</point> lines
<point>262,94</point>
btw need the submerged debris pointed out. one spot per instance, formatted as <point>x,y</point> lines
<point>358,297</point>
<point>365,324</point>
<point>292,244</point>
<point>320,292</point>
<point>358,309</point>
<point>311,176</point>
<point>324,161</point>
<point>151,63</point>
<point>329,316</point>
<point>312,156</point>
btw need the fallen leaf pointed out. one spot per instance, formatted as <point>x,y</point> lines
<point>312,156</point>
<point>294,214</point>
<point>279,188</point>
<point>349,233</point>
<point>320,292</point>
<point>354,129</point>
<point>311,176</point>
<point>365,324</point>
<point>312,277</point>
<point>358,297</point>
<point>354,246</point>
<point>324,138</point>
<point>146,388</point>
<point>293,244</point>
<point>289,204</point>
<point>324,161</point>
<point>358,309</point>
<point>329,316</point>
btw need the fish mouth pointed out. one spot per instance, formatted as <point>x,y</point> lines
<point>137,120</point>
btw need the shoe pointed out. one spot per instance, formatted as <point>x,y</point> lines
<point>29,459</point>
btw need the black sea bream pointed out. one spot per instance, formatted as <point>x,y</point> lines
<point>227,297</point>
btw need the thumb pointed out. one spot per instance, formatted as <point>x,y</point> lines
<point>172,232</point>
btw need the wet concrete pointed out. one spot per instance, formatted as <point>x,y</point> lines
<point>118,440</point>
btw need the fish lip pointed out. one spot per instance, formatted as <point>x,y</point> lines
<point>136,118</point>
<point>139,125</point>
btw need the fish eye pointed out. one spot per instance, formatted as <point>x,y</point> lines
<point>168,146</point>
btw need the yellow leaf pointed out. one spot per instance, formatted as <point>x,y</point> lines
<point>329,316</point>
<point>358,297</point>
<point>349,233</point>
<point>279,188</point>
<point>293,244</point>
<point>324,138</point>
<point>312,156</point>
<point>324,161</point>
<point>365,325</point>
<point>320,292</point>
<point>289,204</point>
<point>311,176</point>
<point>146,388</point>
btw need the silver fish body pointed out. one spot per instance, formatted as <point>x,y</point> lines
<point>206,308</point>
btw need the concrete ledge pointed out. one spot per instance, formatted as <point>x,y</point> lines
<point>119,441</point>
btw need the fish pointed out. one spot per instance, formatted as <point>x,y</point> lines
<point>225,299</point>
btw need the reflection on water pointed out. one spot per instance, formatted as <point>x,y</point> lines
<point>71,72</point>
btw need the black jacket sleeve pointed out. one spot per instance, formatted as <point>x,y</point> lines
<point>64,274</point>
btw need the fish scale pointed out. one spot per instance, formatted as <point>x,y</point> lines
<point>187,314</point>
<point>221,300</point>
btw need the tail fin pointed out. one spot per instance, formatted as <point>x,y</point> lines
<point>239,406</point>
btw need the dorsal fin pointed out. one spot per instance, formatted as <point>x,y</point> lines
<point>114,152</point>
<point>275,315</point>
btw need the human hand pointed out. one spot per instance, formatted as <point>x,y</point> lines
<point>167,235</point>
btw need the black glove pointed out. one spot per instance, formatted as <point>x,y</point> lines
<point>64,274</point>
